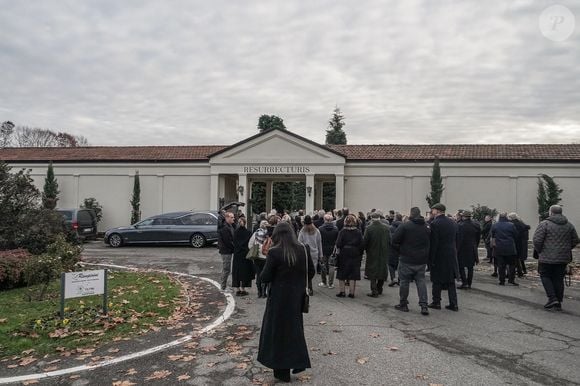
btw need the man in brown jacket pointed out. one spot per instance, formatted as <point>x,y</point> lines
<point>554,240</point>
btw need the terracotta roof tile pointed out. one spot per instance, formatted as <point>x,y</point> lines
<point>568,152</point>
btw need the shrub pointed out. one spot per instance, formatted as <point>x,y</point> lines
<point>12,264</point>
<point>69,254</point>
<point>479,212</point>
<point>92,203</point>
<point>42,270</point>
<point>38,228</point>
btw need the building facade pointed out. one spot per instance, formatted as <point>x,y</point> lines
<point>385,177</point>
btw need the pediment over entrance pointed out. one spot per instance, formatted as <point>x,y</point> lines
<point>277,147</point>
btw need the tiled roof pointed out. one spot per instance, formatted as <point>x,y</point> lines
<point>568,152</point>
<point>109,153</point>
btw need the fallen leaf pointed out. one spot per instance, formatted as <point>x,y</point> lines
<point>113,350</point>
<point>76,376</point>
<point>421,376</point>
<point>159,375</point>
<point>51,368</point>
<point>392,348</point>
<point>322,322</point>
<point>188,358</point>
<point>242,366</point>
<point>131,371</point>
<point>183,377</point>
<point>3,320</point>
<point>12,366</point>
<point>375,335</point>
<point>174,358</point>
<point>210,364</point>
<point>26,361</point>
<point>304,378</point>
<point>123,383</point>
<point>362,360</point>
<point>28,352</point>
<point>31,382</point>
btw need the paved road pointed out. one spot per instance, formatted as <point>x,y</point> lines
<point>501,335</point>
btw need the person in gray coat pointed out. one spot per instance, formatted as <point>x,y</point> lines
<point>554,240</point>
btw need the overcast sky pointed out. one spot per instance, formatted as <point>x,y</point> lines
<point>202,72</point>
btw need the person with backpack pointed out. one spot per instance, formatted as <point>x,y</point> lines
<point>258,238</point>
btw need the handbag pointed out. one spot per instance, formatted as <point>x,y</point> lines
<point>333,258</point>
<point>254,252</point>
<point>306,297</point>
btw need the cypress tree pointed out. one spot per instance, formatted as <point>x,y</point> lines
<point>50,191</point>
<point>335,135</point>
<point>548,194</point>
<point>436,185</point>
<point>136,199</point>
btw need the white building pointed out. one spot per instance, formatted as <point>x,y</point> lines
<point>366,176</point>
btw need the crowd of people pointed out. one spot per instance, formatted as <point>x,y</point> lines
<point>282,251</point>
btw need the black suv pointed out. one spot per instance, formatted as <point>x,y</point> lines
<point>81,221</point>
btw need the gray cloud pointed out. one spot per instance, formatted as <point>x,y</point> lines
<point>183,72</point>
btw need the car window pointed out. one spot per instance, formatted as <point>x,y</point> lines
<point>185,220</point>
<point>148,221</point>
<point>203,219</point>
<point>164,221</point>
<point>67,214</point>
<point>84,216</point>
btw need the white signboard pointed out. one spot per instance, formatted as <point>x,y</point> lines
<point>77,284</point>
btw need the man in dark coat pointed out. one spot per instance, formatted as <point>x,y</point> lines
<point>504,235</point>
<point>340,221</point>
<point>377,242</point>
<point>443,258</point>
<point>328,234</point>
<point>554,240</point>
<point>468,238</point>
<point>226,247</point>
<point>485,236</point>
<point>521,243</point>
<point>411,240</point>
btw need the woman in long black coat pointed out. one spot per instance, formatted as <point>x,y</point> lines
<point>351,246</point>
<point>242,268</point>
<point>282,343</point>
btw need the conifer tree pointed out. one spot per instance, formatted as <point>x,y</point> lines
<point>136,200</point>
<point>335,135</point>
<point>436,185</point>
<point>50,191</point>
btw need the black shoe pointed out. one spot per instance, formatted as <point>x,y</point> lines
<point>297,371</point>
<point>340,295</point>
<point>558,307</point>
<point>551,304</point>
<point>469,286</point>
<point>435,306</point>
<point>244,293</point>
<point>380,291</point>
<point>402,307</point>
<point>462,286</point>
<point>494,274</point>
<point>392,283</point>
<point>452,307</point>
<point>501,283</point>
<point>513,283</point>
<point>238,293</point>
<point>373,295</point>
<point>424,310</point>
<point>351,296</point>
<point>283,375</point>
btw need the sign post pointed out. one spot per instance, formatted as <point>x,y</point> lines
<point>85,283</point>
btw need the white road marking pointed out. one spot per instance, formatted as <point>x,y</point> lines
<point>231,303</point>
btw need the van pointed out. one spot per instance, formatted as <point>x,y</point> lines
<point>81,221</point>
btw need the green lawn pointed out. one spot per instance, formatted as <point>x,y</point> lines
<point>137,302</point>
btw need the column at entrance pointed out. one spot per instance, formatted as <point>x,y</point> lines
<point>318,194</point>
<point>339,191</point>
<point>214,192</point>
<point>309,194</point>
<point>269,194</point>
<point>243,192</point>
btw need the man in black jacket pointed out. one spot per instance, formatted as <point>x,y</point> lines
<point>467,243</point>
<point>411,240</point>
<point>443,258</point>
<point>328,234</point>
<point>226,247</point>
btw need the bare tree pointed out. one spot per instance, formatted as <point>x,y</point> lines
<point>6,133</point>
<point>24,136</point>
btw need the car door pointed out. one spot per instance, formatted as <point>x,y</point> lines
<point>86,226</point>
<point>166,231</point>
<point>141,232</point>
<point>184,228</point>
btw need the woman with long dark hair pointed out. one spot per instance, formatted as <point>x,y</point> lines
<point>242,268</point>
<point>288,267</point>
<point>350,246</point>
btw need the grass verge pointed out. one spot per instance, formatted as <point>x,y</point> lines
<point>138,302</point>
